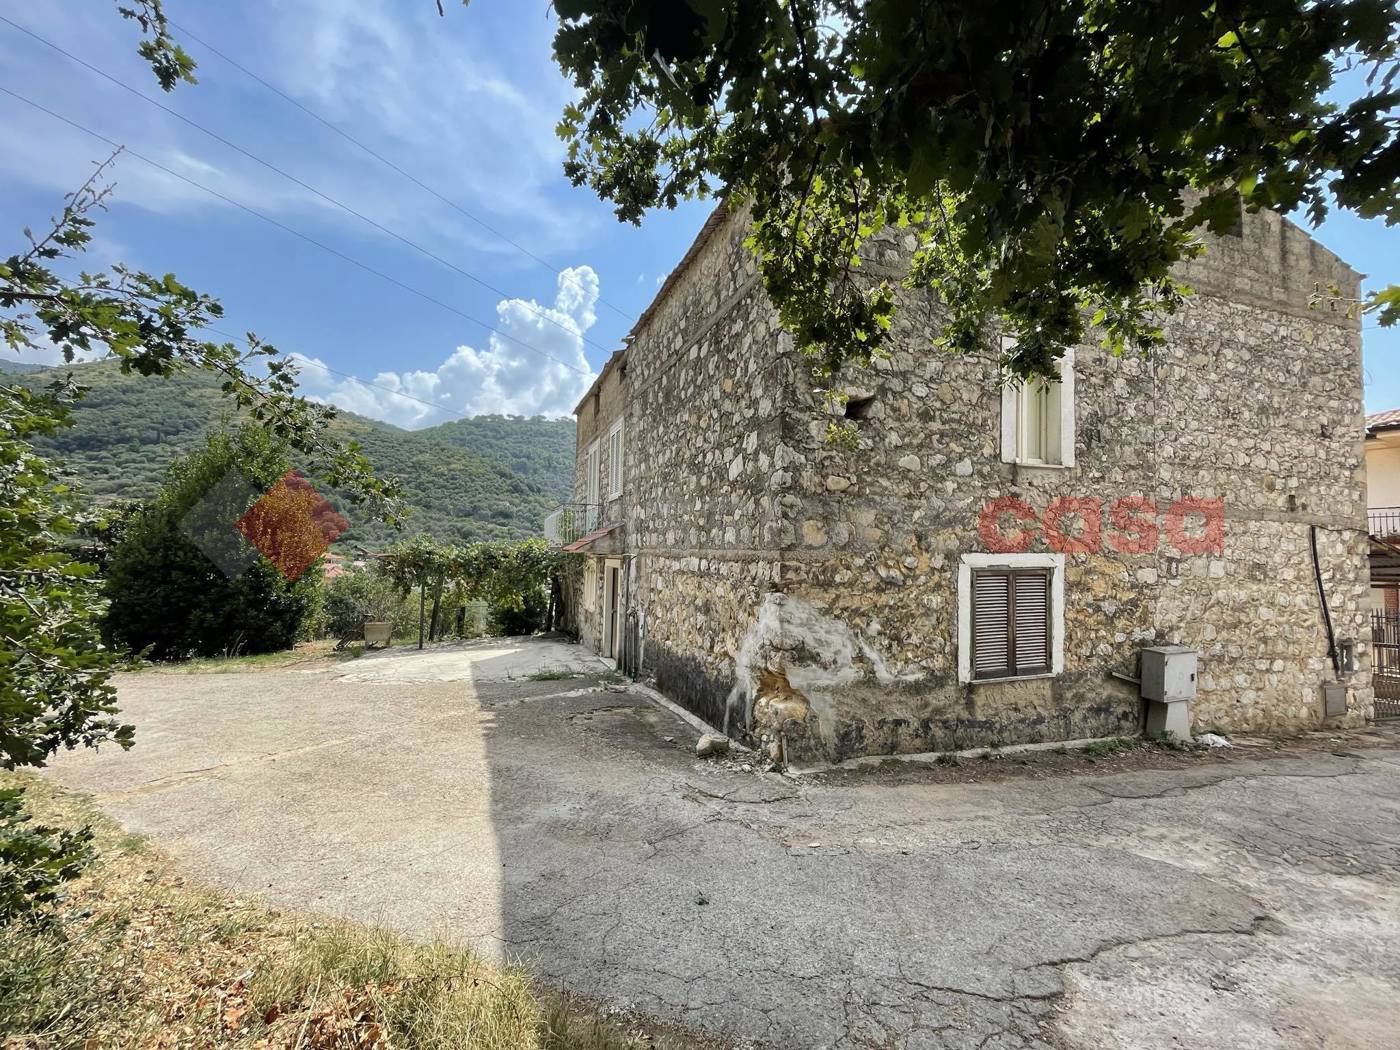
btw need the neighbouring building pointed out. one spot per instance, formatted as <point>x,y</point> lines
<point>1383,523</point>
<point>973,563</point>
<point>1383,508</point>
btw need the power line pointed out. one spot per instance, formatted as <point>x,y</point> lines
<point>385,161</point>
<point>318,363</point>
<point>304,185</point>
<point>294,232</point>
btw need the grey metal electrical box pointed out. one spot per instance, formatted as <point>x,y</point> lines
<point>1334,700</point>
<point>1169,673</point>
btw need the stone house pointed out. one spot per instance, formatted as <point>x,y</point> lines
<point>968,562</point>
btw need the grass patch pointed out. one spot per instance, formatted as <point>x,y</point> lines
<point>142,956</point>
<point>1168,741</point>
<point>1111,746</point>
<point>551,676</point>
<point>304,653</point>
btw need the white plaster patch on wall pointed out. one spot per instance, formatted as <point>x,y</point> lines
<point>816,652</point>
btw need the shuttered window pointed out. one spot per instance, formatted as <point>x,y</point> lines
<point>590,471</point>
<point>615,462</point>
<point>1010,622</point>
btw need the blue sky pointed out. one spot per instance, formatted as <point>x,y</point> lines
<point>467,104</point>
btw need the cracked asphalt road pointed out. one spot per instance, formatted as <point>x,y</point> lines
<point>1254,903</point>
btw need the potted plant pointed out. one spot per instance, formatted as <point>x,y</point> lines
<point>359,605</point>
<point>379,628</point>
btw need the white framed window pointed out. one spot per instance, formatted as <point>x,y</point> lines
<point>1011,616</point>
<point>1037,418</point>
<point>590,473</point>
<point>615,460</point>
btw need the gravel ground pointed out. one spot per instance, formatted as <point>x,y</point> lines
<point>1148,899</point>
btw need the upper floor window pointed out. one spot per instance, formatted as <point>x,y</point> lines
<point>590,473</point>
<point>1037,419</point>
<point>615,460</point>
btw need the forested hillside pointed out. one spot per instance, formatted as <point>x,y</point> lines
<point>483,478</point>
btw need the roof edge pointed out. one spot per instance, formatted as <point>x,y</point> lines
<point>615,359</point>
<point>1387,420</point>
<point>712,223</point>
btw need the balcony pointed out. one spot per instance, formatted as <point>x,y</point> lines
<point>571,522</point>
<point>1383,523</point>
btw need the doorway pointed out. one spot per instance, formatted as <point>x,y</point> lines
<point>612,607</point>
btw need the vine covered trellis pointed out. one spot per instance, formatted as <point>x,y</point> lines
<point>508,576</point>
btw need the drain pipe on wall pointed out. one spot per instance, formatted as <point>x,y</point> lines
<point>1326,613</point>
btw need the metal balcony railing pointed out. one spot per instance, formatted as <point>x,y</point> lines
<point>1383,522</point>
<point>571,522</point>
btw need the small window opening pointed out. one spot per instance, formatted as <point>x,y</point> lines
<point>859,407</point>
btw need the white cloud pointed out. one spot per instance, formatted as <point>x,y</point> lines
<point>420,90</point>
<point>533,365</point>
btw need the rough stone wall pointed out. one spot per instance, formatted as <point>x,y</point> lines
<point>1256,401</point>
<point>809,591</point>
<point>706,387</point>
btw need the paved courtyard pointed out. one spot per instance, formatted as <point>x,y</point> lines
<point>564,822</point>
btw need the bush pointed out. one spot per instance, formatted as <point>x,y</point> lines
<point>55,676</point>
<point>521,614</point>
<point>168,599</point>
<point>354,597</point>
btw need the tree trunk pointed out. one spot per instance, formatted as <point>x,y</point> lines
<point>434,633</point>
<point>420,615</point>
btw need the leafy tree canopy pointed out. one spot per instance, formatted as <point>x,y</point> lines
<point>168,599</point>
<point>1051,161</point>
<point>153,326</point>
<point>55,690</point>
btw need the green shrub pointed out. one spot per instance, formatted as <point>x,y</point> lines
<point>521,614</point>
<point>356,596</point>
<point>167,599</point>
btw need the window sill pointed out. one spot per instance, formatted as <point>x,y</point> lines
<point>1031,464</point>
<point>1012,678</point>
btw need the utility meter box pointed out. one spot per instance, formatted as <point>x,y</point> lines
<point>1168,673</point>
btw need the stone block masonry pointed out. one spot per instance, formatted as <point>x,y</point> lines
<point>806,593</point>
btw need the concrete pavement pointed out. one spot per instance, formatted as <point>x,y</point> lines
<point>1249,903</point>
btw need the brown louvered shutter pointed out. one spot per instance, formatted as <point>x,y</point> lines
<point>1030,622</point>
<point>991,621</point>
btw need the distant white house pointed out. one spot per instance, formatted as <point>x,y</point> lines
<point>1383,507</point>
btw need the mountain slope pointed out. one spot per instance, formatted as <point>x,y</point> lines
<point>484,478</point>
